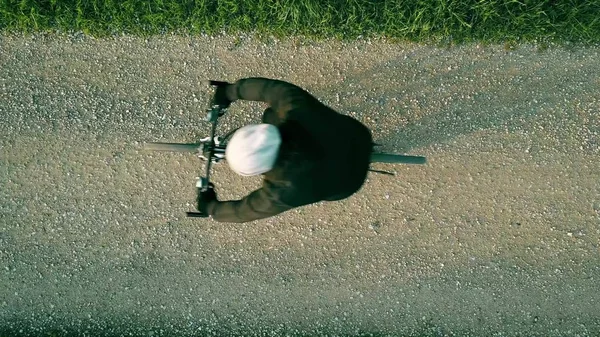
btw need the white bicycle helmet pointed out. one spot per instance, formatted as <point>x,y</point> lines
<point>253,149</point>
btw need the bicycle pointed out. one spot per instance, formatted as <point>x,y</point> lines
<point>211,150</point>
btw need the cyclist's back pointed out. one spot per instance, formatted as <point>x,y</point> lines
<point>324,155</point>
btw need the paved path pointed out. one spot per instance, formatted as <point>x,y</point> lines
<point>497,235</point>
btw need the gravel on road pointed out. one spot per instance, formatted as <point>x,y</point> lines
<point>498,234</point>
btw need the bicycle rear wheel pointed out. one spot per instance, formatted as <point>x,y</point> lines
<point>172,147</point>
<point>396,158</point>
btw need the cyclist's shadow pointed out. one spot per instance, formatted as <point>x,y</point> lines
<point>424,100</point>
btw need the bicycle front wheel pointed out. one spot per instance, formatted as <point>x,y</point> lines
<point>396,158</point>
<point>172,147</point>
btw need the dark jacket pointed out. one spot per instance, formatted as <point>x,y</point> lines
<point>324,155</point>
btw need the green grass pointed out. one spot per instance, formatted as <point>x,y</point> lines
<point>414,20</point>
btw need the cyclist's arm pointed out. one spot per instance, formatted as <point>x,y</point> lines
<point>280,95</point>
<point>259,204</point>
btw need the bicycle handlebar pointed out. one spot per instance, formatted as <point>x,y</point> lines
<point>203,183</point>
<point>218,83</point>
<point>196,215</point>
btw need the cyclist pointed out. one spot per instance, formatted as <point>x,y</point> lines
<point>305,151</point>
